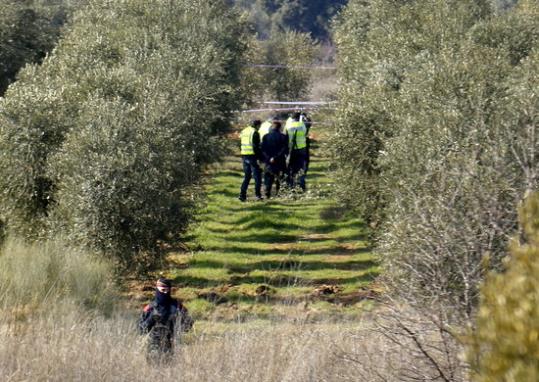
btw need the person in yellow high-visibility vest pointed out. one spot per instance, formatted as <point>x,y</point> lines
<point>250,153</point>
<point>288,122</point>
<point>265,128</point>
<point>297,144</point>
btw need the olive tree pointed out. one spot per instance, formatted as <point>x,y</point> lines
<point>286,78</point>
<point>429,139</point>
<point>101,142</point>
<point>436,145</point>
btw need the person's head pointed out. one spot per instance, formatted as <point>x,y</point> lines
<point>256,123</point>
<point>296,116</point>
<point>163,286</point>
<point>276,124</point>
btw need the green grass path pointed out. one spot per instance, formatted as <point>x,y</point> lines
<point>275,258</point>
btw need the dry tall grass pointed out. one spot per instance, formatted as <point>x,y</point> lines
<point>75,346</point>
<point>36,275</point>
<point>53,329</point>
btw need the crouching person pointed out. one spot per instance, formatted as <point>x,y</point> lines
<point>161,320</point>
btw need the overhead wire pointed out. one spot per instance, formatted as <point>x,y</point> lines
<point>284,66</point>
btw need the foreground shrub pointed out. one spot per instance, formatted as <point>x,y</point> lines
<point>505,345</point>
<point>41,275</point>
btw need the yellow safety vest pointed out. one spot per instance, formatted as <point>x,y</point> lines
<point>298,130</point>
<point>288,123</point>
<point>264,129</point>
<point>246,136</point>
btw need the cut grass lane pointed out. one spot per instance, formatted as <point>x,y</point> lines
<point>261,259</point>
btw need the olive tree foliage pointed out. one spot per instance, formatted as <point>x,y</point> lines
<point>291,52</point>
<point>436,137</point>
<point>504,346</point>
<point>102,141</point>
<point>305,16</point>
<point>29,29</point>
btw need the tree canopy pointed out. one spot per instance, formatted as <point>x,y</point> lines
<point>306,16</point>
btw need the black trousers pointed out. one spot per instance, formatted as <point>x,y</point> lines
<point>298,166</point>
<point>271,177</point>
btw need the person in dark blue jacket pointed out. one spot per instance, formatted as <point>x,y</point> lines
<point>161,319</point>
<point>274,150</point>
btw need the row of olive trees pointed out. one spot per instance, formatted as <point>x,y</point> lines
<point>436,133</point>
<point>436,146</point>
<point>100,143</point>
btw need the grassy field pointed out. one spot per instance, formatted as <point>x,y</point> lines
<point>295,255</point>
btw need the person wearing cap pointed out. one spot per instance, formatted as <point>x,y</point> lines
<point>274,150</point>
<point>250,153</point>
<point>297,145</point>
<point>160,320</point>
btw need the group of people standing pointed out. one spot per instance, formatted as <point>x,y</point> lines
<point>284,154</point>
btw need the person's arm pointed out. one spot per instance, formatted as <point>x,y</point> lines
<point>284,148</point>
<point>308,123</point>
<point>264,148</point>
<point>146,321</point>
<point>256,144</point>
<point>186,322</point>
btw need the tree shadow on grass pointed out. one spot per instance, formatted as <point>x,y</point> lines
<point>329,227</point>
<point>333,213</point>
<point>266,222</point>
<point>286,264</point>
<point>198,282</point>
<point>315,174</point>
<point>224,191</point>
<point>228,172</point>
<point>266,238</point>
<point>231,228</point>
<point>310,235</point>
<point>288,280</point>
<point>291,250</point>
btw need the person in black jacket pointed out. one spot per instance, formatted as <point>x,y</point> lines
<point>160,319</point>
<point>274,150</point>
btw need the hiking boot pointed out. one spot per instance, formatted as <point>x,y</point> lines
<point>242,198</point>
